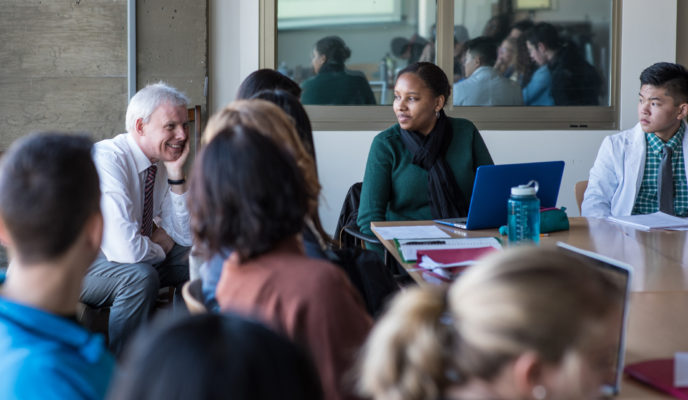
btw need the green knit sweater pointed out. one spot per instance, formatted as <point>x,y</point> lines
<point>394,189</point>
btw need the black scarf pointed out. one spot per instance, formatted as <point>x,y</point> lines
<point>446,198</point>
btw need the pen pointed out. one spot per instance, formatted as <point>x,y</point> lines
<point>426,242</point>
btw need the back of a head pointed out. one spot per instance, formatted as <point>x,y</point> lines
<point>266,79</point>
<point>49,188</point>
<point>292,106</point>
<point>484,48</point>
<point>544,33</point>
<point>523,25</point>
<point>270,120</point>
<point>432,76</point>
<point>213,357</point>
<point>247,194</point>
<point>670,76</point>
<point>334,49</point>
<point>502,307</point>
<point>147,100</point>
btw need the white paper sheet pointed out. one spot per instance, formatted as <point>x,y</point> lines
<point>411,232</point>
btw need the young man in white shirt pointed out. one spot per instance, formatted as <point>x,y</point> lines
<point>625,177</point>
<point>147,236</point>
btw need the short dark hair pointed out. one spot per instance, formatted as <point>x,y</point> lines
<point>247,194</point>
<point>266,79</point>
<point>292,106</point>
<point>432,75</point>
<point>484,48</point>
<point>669,76</point>
<point>214,356</point>
<point>523,25</point>
<point>544,33</point>
<point>49,188</point>
<point>334,49</point>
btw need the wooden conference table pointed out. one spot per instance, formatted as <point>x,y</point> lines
<point>658,319</point>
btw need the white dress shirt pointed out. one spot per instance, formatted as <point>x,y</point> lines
<point>486,87</point>
<point>617,174</point>
<point>122,169</point>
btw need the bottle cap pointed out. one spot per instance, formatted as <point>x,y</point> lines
<point>529,189</point>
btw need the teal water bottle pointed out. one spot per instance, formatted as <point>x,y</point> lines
<point>524,214</point>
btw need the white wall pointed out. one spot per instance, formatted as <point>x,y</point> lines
<point>341,155</point>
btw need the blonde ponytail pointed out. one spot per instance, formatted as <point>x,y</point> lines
<point>405,356</point>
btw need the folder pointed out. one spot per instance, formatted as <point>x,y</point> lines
<point>658,374</point>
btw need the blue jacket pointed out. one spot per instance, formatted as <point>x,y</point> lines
<point>538,92</point>
<point>46,356</point>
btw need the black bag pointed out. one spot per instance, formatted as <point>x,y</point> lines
<point>368,274</point>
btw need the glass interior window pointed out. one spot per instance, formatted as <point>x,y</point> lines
<point>348,52</point>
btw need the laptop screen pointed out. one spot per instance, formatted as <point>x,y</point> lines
<point>620,273</point>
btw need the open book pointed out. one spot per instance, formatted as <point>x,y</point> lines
<point>658,220</point>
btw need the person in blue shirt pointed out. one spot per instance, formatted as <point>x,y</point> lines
<point>50,221</point>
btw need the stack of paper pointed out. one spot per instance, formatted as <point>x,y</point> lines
<point>658,220</point>
<point>409,248</point>
<point>449,263</point>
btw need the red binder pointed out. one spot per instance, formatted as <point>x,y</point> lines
<point>451,256</point>
<point>658,374</point>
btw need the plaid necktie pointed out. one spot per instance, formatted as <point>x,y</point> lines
<point>665,182</point>
<point>147,222</point>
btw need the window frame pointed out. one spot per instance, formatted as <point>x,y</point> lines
<point>371,118</point>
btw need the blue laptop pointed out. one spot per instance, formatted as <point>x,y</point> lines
<point>492,188</point>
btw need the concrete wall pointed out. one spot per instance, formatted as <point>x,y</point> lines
<point>172,45</point>
<point>63,67</point>
<point>341,155</point>
<point>64,62</point>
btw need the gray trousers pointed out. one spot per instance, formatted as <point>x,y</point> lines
<point>130,290</point>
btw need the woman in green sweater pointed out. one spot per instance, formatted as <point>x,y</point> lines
<point>424,166</point>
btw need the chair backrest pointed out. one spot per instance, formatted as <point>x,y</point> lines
<point>195,120</point>
<point>579,188</point>
<point>193,297</point>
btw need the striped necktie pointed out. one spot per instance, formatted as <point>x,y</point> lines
<point>147,222</point>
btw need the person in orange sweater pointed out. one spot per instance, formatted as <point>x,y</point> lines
<point>248,195</point>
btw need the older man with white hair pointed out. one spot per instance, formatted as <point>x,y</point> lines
<point>146,237</point>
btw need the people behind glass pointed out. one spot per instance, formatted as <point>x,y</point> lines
<point>333,84</point>
<point>497,27</point>
<point>267,119</point>
<point>409,49</point>
<point>573,81</point>
<point>424,166</point>
<point>527,323</point>
<point>484,85</point>
<point>213,356</point>
<point>249,194</point>
<point>538,91</point>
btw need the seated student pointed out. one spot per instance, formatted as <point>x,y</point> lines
<point>248,194</point>
<point>51,223</point>
<point>292,106</point>
<point>526,323</point>
<point>626,177</point>
<point>538,90</point>
<point>484,86</point>
<point>574,81</point>
<point>424,166</point>
<point>332,83</point>
<point>266,79</point>
<point>211,356</point>
<point>271,121</point>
